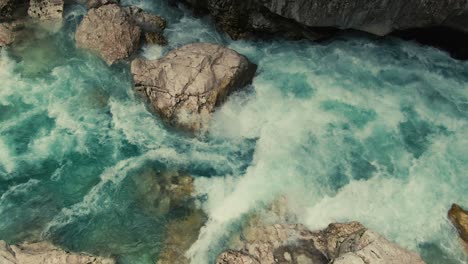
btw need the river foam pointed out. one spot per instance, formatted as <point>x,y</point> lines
<point>355,128</point>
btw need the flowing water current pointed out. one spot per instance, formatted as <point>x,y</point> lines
<point>354,128</point>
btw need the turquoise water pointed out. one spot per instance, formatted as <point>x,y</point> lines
<point>374,130</point>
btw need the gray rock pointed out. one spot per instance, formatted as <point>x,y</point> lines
<point>349,243</point>
<point>187,84</point>
<point>46,9</point>
<point>109,31</point>
<point>44,253</point>
<point>301,17</point>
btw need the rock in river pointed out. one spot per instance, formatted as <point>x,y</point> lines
<point>187,84</point>
<point>459,218</point>
<point>293,243</point>
<point>110,31</point>
<point>44,253</point>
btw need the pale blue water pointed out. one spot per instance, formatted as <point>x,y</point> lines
<point>352,129</point>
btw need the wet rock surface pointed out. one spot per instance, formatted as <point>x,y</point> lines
<point>45,253</point>
<point>301,18</point>
<point>187,84</point>
<point>338,243</point>
<point>459,218</point>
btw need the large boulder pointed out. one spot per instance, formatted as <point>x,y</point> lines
<point>459,219</point>
<point>186,85</point>
<point>44,253</point>
<point>338,243</point>
<point>302,17</point>
<point>46,9</point>
<point>110,31</point>
<point>114,32</point>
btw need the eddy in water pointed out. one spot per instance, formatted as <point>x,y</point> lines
<point>136,133</point>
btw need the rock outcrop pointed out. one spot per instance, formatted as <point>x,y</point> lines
<point>114,32</point>
<point>44,253</point>
<point>459,219</point>
<point>301,18</point>
<point>186,85</point>
<point>338,243</point>
<point>46,9</point>
<point>110,31</point>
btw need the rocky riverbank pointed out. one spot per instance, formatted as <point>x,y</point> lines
<point>45,253</point>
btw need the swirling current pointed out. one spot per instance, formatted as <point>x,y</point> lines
<point>353,128</point>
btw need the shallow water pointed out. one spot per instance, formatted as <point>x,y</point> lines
<point>373,130</point>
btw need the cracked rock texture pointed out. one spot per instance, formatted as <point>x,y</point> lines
<point>97,3</point>
<point>44,253</point>
<point>114,32</point>
<point>46,9</point>
<point>110,31</point>
<point>297,17</point>
<point>186,85</point>
<point>348,243</point>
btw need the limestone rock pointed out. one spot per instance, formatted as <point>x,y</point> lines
<point>339,244</point>
<point>44,253</point>
<point>235,257</point>
<point>110,31</point>
<point>46,9</point>
<point>459,218</point>
<point>187,84</point>
<point>372,248</point>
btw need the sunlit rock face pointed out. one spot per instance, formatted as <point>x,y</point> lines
<point>110,31</point>
<point>187,84</point>
<point>338,243</point>
<point>377,17</point>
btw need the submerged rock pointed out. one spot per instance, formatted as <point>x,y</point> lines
<point>180,235</point>
<point>46,9</point>
<point>338,243</point>
<point>459,218</point>
<point>301,18</point>
<point>45,253</point>
<point>187,84</point>
<point>161,192</point>
<point>110,31</point>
